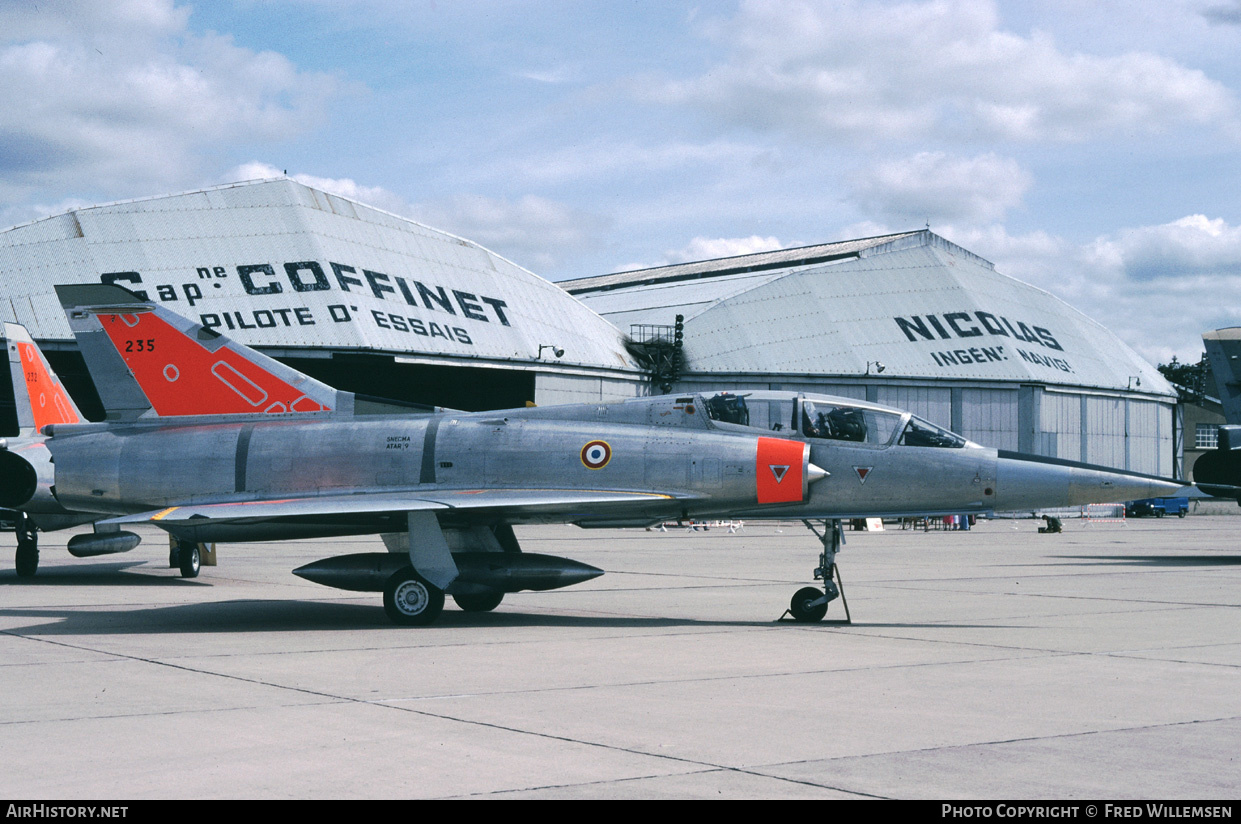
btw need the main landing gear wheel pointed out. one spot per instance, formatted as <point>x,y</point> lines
<point>479,601</point>
<point>188,559</point>
<point>412,601</point>
<point>27,548</point>
<point>800,607</point>
<point>27,559</point>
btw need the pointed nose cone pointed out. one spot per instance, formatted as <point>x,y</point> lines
<point>815,473</point>
<point>1034,482</point>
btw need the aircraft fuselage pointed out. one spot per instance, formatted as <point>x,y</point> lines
<point>699,467</point>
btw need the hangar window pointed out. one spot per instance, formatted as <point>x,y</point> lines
<point>923,433</point>
<point>1206,436</point>
<point>846,423</point>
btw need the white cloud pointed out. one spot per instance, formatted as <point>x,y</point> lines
<point>1157,287</point>
<point>704,248</point>
<point>937,187</point>
<point>376,196</point>
<point>1192,246</point>
<point>124,98</point>
<point>856,69</point>
<point>139,20</point>
<point>865,228</point>
<point>604,159</point>
<point>534,232</point>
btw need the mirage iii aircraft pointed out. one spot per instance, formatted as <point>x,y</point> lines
<point>213,442</point>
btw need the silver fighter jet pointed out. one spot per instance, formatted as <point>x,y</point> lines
<point>214,442</point>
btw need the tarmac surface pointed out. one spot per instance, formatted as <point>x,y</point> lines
<point>1103,663</point>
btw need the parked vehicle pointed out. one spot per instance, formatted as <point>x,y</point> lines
<point>1157,507</point>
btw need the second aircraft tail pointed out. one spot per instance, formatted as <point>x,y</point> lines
<point>1223,348</point>
<point>38,394</point>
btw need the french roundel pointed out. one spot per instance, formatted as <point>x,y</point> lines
<point>596,454</point>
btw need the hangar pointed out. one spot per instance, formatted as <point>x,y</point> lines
<point>910,320</point>
<point>362,299</point>
<point>378,304</point>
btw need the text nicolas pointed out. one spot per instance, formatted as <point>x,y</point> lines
<point>975,325</point>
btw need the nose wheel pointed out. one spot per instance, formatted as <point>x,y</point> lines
<point>809,604</point>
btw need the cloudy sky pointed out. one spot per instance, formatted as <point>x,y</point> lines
<point>1092,149</point>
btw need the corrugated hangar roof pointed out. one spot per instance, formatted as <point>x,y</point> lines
<point>284,266</point>
<point>923,307</point>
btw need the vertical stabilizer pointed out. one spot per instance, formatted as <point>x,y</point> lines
<point>38,394</point>
<point>1224,352</point>
<point>146,360</point>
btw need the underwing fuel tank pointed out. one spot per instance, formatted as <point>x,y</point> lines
<point>102,543</point>
<point>498,571</point>
<point>1032,482</point>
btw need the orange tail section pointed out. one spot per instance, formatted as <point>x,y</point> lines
<point>181,376</point>
<point>40,397</point>
<point>147,361</point>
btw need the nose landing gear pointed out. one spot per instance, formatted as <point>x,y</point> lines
<point>809,605</point>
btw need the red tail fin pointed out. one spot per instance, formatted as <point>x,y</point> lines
<point>181,376</point>
<point>40,397</point>
<point>146,360</point>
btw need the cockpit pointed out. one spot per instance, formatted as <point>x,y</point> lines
<point>827,419</point>
<point>923,433</point>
